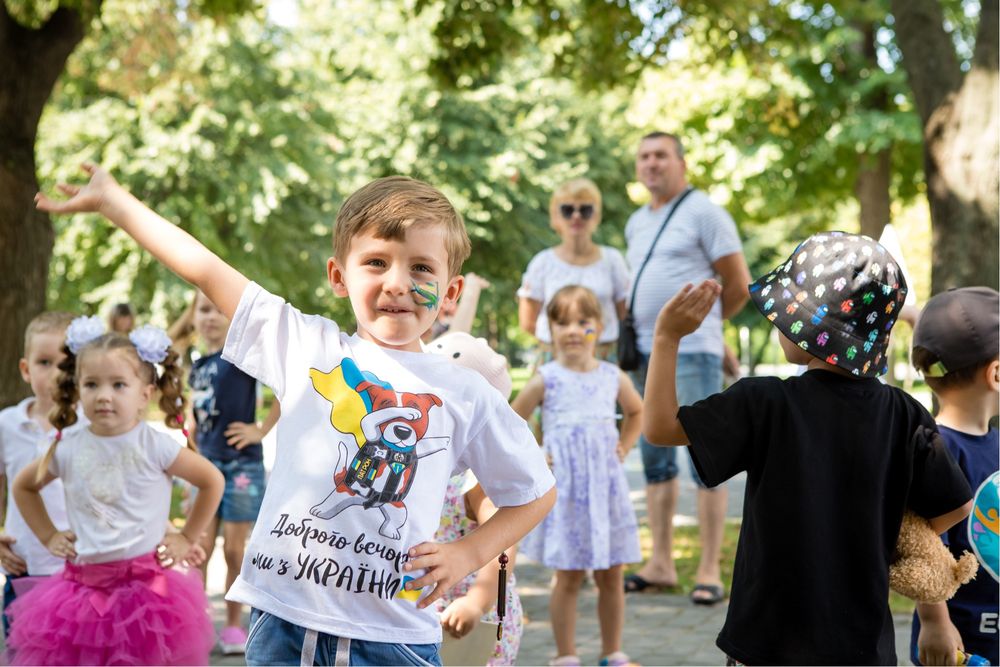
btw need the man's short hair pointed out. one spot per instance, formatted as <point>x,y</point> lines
<point>49,321</point>
<point>391,205</point>
<point>678,146</point>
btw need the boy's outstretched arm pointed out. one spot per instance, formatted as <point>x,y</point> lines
<point>448,563</point>
<point>682,315</point>
<point>172,246</point>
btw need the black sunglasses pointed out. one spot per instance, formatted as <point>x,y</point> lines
<point>567,210</point>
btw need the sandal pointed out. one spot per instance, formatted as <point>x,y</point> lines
<point>635,583</point>
<point>715,594</point>
<point>565,661</point>
<point>617,659</point>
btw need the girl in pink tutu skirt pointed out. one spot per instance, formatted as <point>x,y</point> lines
<point>117,602</point>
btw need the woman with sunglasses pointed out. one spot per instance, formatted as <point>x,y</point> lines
<point>574,211</point>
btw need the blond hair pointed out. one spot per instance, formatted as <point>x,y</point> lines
<point>49,321</point>
<point>391,205</point>
<point>577,188</point>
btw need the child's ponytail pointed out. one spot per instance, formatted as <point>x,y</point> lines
<point>81,332</point>
<point>172,400</point>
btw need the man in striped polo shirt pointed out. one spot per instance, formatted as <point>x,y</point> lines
<point>699,242</point>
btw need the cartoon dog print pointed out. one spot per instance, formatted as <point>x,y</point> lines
<point>388,426</point>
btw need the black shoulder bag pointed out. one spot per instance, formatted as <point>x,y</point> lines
<point>628,349</point>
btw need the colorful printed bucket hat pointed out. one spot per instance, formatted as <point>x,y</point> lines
<point>836,297</point>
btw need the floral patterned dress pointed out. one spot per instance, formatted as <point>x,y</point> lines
<point>454,524</point>
<point>593,525</point>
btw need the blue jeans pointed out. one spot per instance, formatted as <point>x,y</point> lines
<point>698,376</point>
<point>275,641</point>
<point>244,489</point>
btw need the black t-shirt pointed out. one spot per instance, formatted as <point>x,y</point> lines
<point>832,462</point>
<point>222,394</point>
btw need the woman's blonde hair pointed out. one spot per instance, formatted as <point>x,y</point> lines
<point>67,393</point>
<point>577,188</point>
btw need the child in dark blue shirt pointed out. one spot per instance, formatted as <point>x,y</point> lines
<point>224,401</point>
<point>955,346</point>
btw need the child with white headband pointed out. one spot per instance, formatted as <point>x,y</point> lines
<point>117,601</point>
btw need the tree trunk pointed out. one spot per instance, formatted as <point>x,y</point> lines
<point>871,187</point>
<point>961,141</point>
<point>26,236</point>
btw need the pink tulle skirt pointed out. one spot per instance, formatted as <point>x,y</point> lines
<point>127,612</point>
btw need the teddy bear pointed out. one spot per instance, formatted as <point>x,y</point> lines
<point>924,569</point>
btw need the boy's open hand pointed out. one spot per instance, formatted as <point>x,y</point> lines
<point>10,561</point>
<point>60,545</point>
<point>445,564</point>
<point>684,313</point>
<point>88,198</point>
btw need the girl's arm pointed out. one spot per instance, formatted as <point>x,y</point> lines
<point>530,396</point>
<point>465,311</point>
<point>198,471</point>
<point>631,403</point>
<point>446,564</point>
<point>27,494</point>
<point>682,315</point>
<point>527,313</point>
<point>241,434</point>
<point>172,246</point>
<point>461,616</point>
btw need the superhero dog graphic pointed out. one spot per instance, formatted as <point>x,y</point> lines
<point>388,427</point>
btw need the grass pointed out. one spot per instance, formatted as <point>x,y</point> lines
<point>686,553</point>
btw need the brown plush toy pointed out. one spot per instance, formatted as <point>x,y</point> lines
<point>924,569</point>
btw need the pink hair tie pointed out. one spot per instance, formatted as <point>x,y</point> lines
<point>180,420</point>
<point>58,435</point>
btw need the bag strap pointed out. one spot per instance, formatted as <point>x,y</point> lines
<point>652,245</point>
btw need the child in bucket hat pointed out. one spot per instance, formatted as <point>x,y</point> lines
<point>837,298</point>
<point>833,457</point>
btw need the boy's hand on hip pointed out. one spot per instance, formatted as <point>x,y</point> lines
<point>445,564</point>
<point>685,312</point>
<point>9,560</point>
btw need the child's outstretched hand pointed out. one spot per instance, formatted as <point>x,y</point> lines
<point>460,617</point>
<point>446,563</point>
<point>60,545</point>
<point>82,199</point>
<point>684,313</point>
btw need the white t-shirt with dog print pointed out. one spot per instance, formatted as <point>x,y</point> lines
<point>366,443</point>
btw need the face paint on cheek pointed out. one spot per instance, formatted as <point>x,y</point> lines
<point>426,295</point>
<point>590,335</point>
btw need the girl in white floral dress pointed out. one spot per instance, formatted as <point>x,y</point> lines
<point>593,525</point>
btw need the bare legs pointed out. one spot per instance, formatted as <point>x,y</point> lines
<point>234,540</point>
<point>610,608</point>
<point>711,524</point>
<point>661,503</point>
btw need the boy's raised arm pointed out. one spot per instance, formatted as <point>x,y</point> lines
<point>682,315</point>
<point>172,246</point>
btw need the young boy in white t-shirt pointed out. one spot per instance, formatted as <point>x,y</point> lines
<point>25,434</point>
<point>339,566</point>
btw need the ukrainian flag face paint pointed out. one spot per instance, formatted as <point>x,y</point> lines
<point>426,294</point>
<point>590,335</point>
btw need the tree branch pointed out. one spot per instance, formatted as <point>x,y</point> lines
<point>928,53</point>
